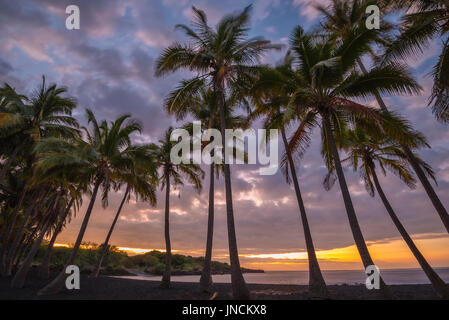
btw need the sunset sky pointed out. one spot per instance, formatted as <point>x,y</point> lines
<point>108,65</point>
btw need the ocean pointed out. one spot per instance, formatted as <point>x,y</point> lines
<point>332,277</point>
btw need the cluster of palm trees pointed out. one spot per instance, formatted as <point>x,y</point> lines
<point>49,162</point>
<point>52,162</point>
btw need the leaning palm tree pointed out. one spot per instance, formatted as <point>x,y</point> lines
<point>323,91</point>
<point>140,179</point>
<point>366,153</point>
<point>97,160</point>
<point>202,106</point>
<point>172,175</point>
<point>343,16</point>
<point>225,57</point>
<point>270,103</point>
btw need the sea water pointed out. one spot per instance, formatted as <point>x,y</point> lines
<point>391,276</point>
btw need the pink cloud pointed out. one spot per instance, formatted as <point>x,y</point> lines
<point>307,7</point>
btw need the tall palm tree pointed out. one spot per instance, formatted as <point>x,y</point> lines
<point>365,153</point>
<point>225,57</point>
<point>343,16</point>
<point>172,175</point>
<point>202,106</point>
<point>323,92</point>
<point>25,121</point>
<point>140,179</point>
<point>97,160</point>
<point>270,103</point>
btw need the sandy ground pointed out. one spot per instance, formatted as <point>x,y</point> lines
<point>108,288</point>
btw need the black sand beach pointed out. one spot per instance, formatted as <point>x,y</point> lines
<point>110,288</point>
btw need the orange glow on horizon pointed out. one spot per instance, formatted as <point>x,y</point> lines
<point>61,245</point>
<point>140,250</point>
<point>387,254</point>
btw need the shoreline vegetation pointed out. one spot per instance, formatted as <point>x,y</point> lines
<point>119,263</point>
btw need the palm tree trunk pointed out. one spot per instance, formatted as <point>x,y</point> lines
<point>167,273</point>
<point>239,288</point>
<point>353,221</point>
<point>104,249</point>
<point>439,207</point>
<point>18,251</point>
<point>23,249</point>
<point>441,210</point>
<point>58,283</point>
<point>19,279</point>
<point>44,270</point>
<point>438,284</point>
<point>317,285</point>
<point>28,243</point>
<point>8,232</point>
<point>206,283</point>
<point>13,249</point>
<point>8,163</point>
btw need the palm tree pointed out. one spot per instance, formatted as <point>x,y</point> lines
<point>202,105</point>
<point>140,179</point>
<point>72,188</point>
<point>172,176</point>
<point>97,160</point>
<point>75,184</point>
<point>343,16</point>
<point>425,20</point>
<point>24,122</point>
<point>322,92</point>
<point>269,102</point>
<point>364,152</point>
<point>225,57</point>
<point>46,113</point>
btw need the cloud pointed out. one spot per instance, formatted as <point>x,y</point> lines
<point>5,67</point>
<point>307,7</point>
<point>263,8</point>
<point>153,38</point>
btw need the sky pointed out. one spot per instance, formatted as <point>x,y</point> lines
<point>108,66</point>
